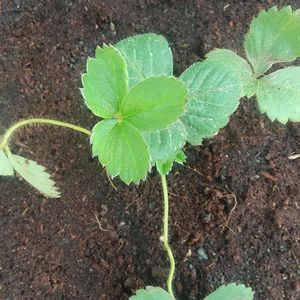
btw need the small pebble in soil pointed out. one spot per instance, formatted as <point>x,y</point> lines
<point>201,253</point>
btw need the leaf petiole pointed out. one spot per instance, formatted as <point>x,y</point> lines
<point>10,131</point>
<point>166,235</point>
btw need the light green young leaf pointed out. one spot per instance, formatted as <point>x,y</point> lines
<point>213,95</point>
<point>121,149</point>
<point>278,95</point>
<point>105,83</point>
<point>154,103</point>
<point>238,66</point>
<point>164,144</point>
<point>34,174</point>
<point>274,36</point>
<point>165,167</point>
<point>231,292</point>
<point>6,168</point>
<point>152,293</point>
<point>146,55</point>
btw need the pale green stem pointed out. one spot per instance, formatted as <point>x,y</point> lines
<point>10,131</point>
<point>166,235</point>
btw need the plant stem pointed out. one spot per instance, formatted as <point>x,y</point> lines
<point>23,123</point>
<point>166,235</point>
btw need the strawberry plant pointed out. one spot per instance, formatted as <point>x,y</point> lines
<point>146,115</point>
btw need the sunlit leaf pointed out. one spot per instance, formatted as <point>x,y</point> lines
<point>146,55</point>
<point>274,36</point>
<point>278,95</point>
<point>231,292</point>
<point>6,168</point>
<point>34,174</point>
<point>152,293</point>
<point>154,103</point>
<point>105,83</point>
<point>121,149</point>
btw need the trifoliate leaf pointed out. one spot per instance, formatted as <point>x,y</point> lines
<point>238,66</point>
<point>146,55</point>
<point>105,83</point>
<point>213,95</point>
<point>121,149</point>
<point>164,167</point>
<point>34,174</point>
<point>164,144</point>
<point>274,36</point>
<point>152,293</point>
<point>278,95</point>
<point>6,168</point>
<point>231,292</point>
<point>154,103</point>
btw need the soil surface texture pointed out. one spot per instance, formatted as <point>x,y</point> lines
<point>234,205</point>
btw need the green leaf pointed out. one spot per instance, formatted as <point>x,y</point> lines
<point>274,36</point>
<point>164,144</point>
<point>238,66</point>
<point>121,149</point>
<point>105,83</point>
<point>6,168</point>
<point>154,103</point>
<point>231,292</point>
<point>164,167</point>
<point>152,293</point>
<point>34,174</point>
<point>278,95</point>
<point>213,95</point>
<point>146,55</point>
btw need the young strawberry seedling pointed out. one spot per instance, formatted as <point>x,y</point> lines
<point>146,115</point>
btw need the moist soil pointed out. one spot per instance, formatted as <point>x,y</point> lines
<point>234,205</point>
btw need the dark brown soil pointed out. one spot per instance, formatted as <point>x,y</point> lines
<point>54,249</point>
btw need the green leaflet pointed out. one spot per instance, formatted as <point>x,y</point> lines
<point>105,83</point>
<point>274,36</point>
<point>165,167</point>
<point>238,66</point>
<point>154,103</point>
<point>146,55</point>
<point>231,292</point>
<point>164,144</point>
<point>121,149</point>
<point>278,95</point>
<point>34,174</point>
<point>151,293</point>
<point>6,168</point>
<point>213,95</point>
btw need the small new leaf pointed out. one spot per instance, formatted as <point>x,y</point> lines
<point>6,168</point>
<point>274,36</point>
<point>213,95</point>
<point>121,149</point>
<point>151,293</point>
<point>34,174</point>
<point>146,55</point>
<point>154,103</point>
<point>238,66</point>
<point>278,95</point>
<point>231,292</point>
<point>105,83</point>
